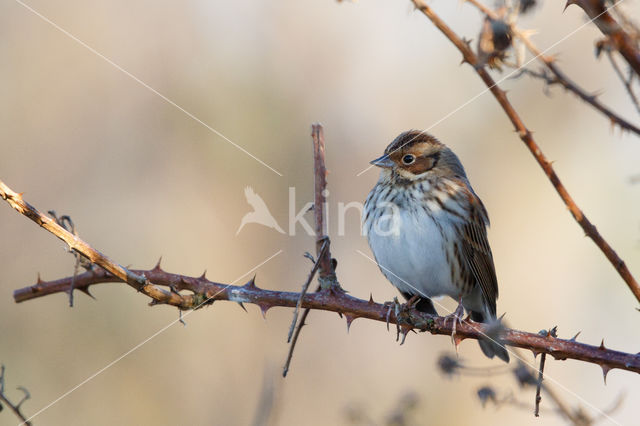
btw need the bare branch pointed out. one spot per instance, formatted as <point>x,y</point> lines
<point>560,77</point>
<point>139,282</point>
<point>621,40</point>
<point>627,81</point>
<point>352,308</point>
<point>526,136</point>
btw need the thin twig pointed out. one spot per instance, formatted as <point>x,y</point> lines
<point>626,81</point>
<point>305,287</point>
<point>326,272</point>
<point>294,341</point>
<point>16,408</point>
<point>560,77</point>
<point>543,358</point>
<point>526,136</point>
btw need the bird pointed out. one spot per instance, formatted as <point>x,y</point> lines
<point>260,213</point>
<point>427,229</point>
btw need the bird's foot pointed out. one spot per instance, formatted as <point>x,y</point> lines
<point>393,306</point>
<point>456,317</point>
<point>401,311</point>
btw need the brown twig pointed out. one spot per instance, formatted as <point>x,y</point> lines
<point>352,308</point>
<point>326,271</point>
<point>560,77</point>
<point>16,408</point>
<point>536,411</point>
<point>543,358</point>
<point>620,39</point>
<point>626,81</point>
<point>305,287</point>
<point>526,136</point>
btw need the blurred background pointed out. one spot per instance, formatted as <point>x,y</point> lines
<point>141,179</point>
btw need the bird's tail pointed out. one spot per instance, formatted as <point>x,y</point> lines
<point>490,344</point>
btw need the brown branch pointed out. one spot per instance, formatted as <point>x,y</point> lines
<point>560,77</point>
<point>623,42</point>
<point>526,136</point>
<point>205,292</point>
<point>326,273</point>
<point>323,263</point>
<point>139,282</point>
<point>352,308</point>
<point>626,81</point>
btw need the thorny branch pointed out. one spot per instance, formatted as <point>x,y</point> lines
<point>75,244</point>
<point>559,76</point>
<point>351,308</point>
<point>618,37</point>
<point>590,230</point>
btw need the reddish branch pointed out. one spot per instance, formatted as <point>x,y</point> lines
<point>323,263</point>
<point>350,307</point>
<point>139,282</point>
<point>326,273</point>
<point>590,230</point>
<point>201,291</point>
<point>559,76</point>
<point>623,42</point>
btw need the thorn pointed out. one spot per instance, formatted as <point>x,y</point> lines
<point>574,337</point>
<point>242,306</point>
<point>264,307</point>
<point>350,319</point>
<point>569,3</point>
<point>456,341</point>
<point>251,283</point>
<point>535,353</point>
<point>203,277</point>
<point>602,348</point>
<point>371,302</point>
<point>405,329</point>
<point>184,324</point>
<point>85,290</point>
<point>39,280</point>
<point>605,371</point>
<point>157,267</point>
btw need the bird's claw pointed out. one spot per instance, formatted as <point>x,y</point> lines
<point>395,306</point>
<point>456,317</point>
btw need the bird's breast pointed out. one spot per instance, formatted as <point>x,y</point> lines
<point>411,241</point>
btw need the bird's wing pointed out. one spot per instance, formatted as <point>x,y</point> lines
<point>254,199</point>
<point>477,253</point>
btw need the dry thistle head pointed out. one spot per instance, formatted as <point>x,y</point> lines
<point>494,39</point>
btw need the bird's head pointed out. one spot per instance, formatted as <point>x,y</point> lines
<point>416,155</point>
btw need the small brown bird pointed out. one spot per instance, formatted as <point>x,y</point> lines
<point>427,229</point>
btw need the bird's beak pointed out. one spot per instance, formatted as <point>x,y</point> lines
<point>385,162</point>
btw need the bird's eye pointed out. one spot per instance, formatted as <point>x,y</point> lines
<point>408,159</point>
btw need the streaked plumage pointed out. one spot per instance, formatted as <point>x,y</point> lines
<point>427,229</point>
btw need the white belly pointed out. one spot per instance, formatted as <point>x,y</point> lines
<point>414,257</point>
